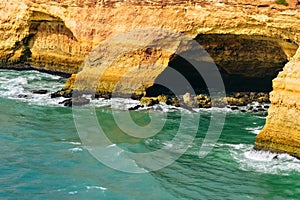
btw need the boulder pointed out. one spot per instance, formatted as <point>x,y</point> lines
<point>149,101</point>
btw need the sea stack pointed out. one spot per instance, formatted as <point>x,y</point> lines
<point>282,130</point>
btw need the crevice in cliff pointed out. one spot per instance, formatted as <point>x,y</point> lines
<point>20,52</point>
<point>47,36</point>
<point>246,63</point>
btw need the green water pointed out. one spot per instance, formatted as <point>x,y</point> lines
<point>42,156</point>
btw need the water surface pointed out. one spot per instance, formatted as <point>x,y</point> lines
<point>42,156</point>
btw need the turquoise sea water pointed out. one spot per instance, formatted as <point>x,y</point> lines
<point>42,156</point>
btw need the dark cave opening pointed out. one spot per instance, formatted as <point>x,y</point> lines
<point>246,64</point>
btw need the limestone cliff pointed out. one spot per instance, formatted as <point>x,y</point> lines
<point>282,130</point>
<point>250,42</point>
<point>56,35</point>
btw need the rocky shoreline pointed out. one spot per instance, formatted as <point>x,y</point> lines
<point>242,101</point>
<point>250,41</point>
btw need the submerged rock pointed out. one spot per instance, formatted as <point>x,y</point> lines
<point>67,102</point>
<point>39,91</point>
<point>234,108</point>
<point>22,96</point>
<point>103,95</point>
<point>78,101</point>
<point>136,107</point>
<point>62,93</point>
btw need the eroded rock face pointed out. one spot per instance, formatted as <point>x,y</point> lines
<point>247,39</point>
<point>248,63</point>
<point>57,35</point>
<point>282,130</point>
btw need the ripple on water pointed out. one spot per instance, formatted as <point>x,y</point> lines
<point>43,157</point>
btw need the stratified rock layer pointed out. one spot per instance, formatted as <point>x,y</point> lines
<point>249,40</point>
<point>57,35</point>
<point>282,130</point>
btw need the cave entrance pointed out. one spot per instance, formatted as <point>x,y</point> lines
<point>246,63</point>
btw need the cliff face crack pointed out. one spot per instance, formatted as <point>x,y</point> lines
<point>21,53</point>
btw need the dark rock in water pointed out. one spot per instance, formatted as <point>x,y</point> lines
<point>55,95</point>
<point>275,157</point>
<point>79,101</point>
<point>96,96</point>
<point>234,108</point>
<point>243,111</point>
<point>169,101</point>
<point>102,95</point>
<point>67,102</point>
<point>250,108</point>
<point>62,93</point>
<point>136,107</point>
<point>266,106</point>
<point>39,91</point>
<point>259,106</point>
<point>22,96</point>
<point>99,96</point>
<point>67,94</point>
<point>261,110</point>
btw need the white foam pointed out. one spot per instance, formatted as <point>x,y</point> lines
<point>75,143</point>
<point>18,85</point>
<point>76,149</point>
<point>116,158</point>
<point>96,187</point>
<point>111,146</point>
<point>260,117</point>
<point>215,109</point>
<point>73,192</point>
<point>15,83</point>
<point>255,130</point>
<point>263,161</point>
<point>168,144</point>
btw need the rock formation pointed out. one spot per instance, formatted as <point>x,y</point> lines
<point>57,35</point>
<point>250,41</point>
<point>282,130</point>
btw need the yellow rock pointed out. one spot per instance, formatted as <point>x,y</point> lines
<point>57,36</point>
<point>282,130</point>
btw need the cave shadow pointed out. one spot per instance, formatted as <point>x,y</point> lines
<point>245,64</point>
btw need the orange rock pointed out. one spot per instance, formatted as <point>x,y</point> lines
<point>57,35</point>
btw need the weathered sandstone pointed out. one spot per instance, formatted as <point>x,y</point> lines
<point>250,42</point>
<point>282,130</point>
<point>57,35</point>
